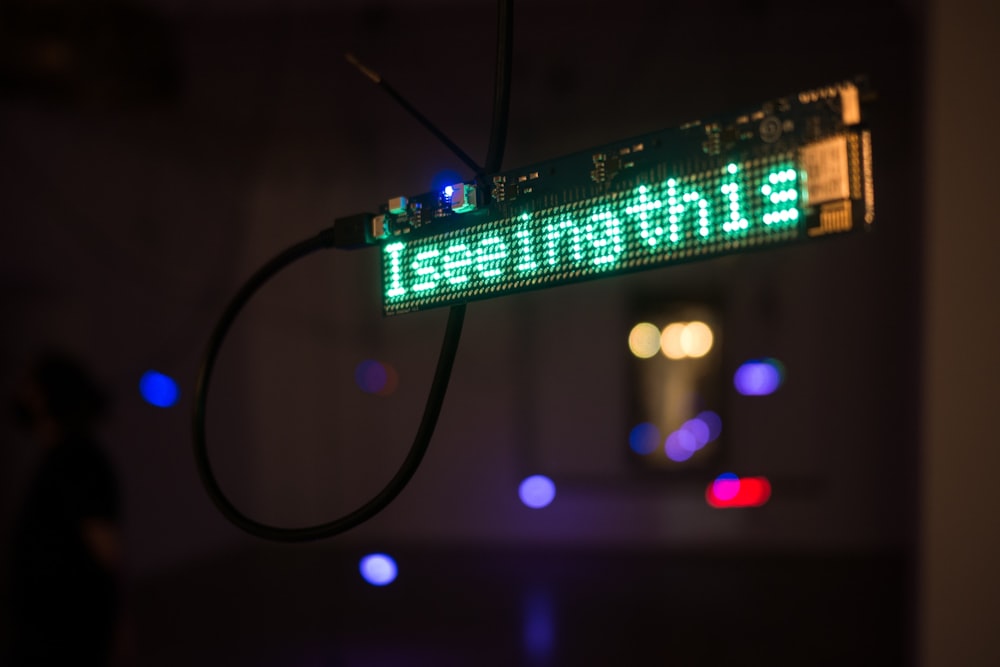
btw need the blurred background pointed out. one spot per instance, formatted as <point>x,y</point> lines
<point>153,153</point>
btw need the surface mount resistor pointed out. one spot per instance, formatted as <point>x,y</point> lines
<point>397,205</point>
<point>599,173</point>
<point>499,192</point>
<point>378,227</point>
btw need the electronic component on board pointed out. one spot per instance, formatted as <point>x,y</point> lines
<point>397,205</point>
<point>461,197</point>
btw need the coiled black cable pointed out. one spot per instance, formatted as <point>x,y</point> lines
<point>442,374</point>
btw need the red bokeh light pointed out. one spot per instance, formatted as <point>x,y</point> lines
<point>753,492</point>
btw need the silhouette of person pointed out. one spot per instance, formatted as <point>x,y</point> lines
<point>65,551</point>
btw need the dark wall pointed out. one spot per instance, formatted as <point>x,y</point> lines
<point>959,544</point>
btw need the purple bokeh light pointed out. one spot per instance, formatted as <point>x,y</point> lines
<point>699,430</point>
<point>759,377</point>
<point>371,376</point>
<point>378,569</point>
<point>713,422</point>
<point>537,491</point>
<point>680,446</point>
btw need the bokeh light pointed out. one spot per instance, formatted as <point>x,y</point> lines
<point>759,377</point>
<point>391,380</point>
<point>378,569</point>
<point>670,341</point>
<point>726,486</point>
<point>158,389</point>
<point>683,340</point>
<point>696,339</point>
<point>680,446</point>
<point>537,491</point>
<point>728,491</point>
<point>644,438</point>
<point>375,377</point>
<point>370,376</point>
<point>644,340</point>
<point>539,625</point>
<point>699,431</point>
<point>687,440</point>
<point>713,422</point>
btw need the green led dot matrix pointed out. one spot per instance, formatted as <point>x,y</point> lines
<point>683,194</point>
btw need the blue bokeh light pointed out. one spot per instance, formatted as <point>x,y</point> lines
<point>537,491</point>
<point>371,376</point>
<point>158,389</point>
<point>644,438</point>
<point>539,625</point>
<point>758,377</point>
<point>378,569</point>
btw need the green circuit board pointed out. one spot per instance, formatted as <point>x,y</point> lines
<point>791,169</point>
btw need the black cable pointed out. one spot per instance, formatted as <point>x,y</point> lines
<point>501,86</point>
<point>421,441</point>
<point>412,110</point>
<point>449,347</point>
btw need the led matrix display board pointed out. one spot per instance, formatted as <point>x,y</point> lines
<point>792,169</point>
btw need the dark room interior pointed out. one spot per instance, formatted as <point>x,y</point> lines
<point>154,153</point>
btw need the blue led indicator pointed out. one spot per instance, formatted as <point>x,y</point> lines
<point>444,178</point>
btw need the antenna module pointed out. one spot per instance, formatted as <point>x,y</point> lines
<point>792,169</point>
